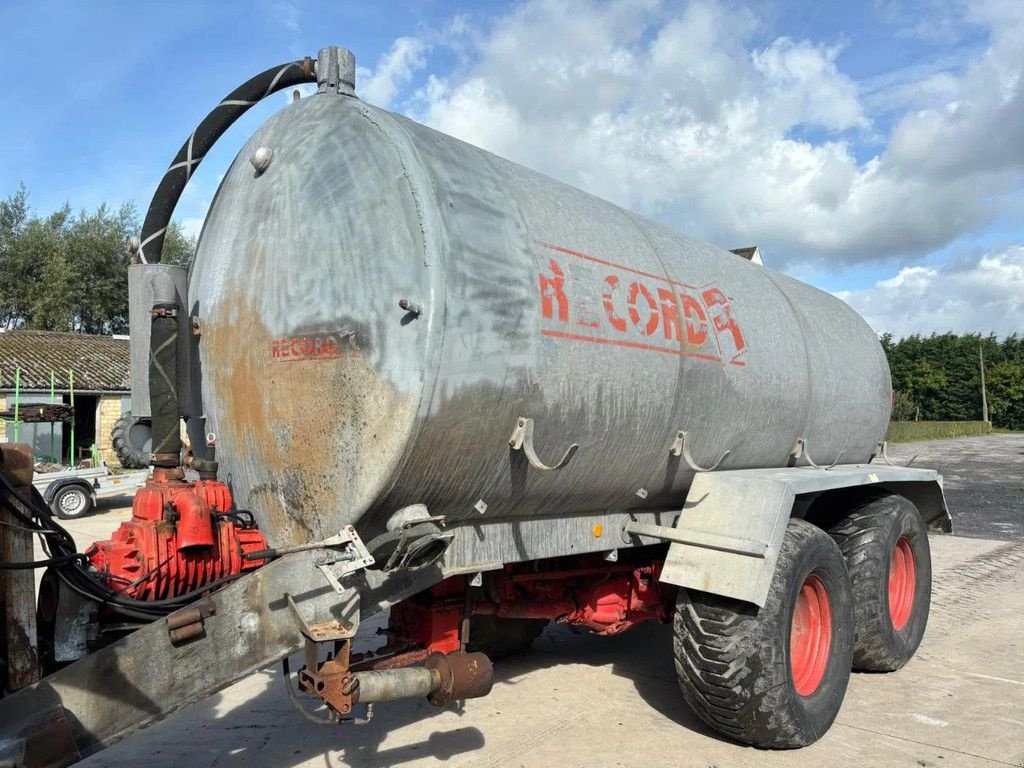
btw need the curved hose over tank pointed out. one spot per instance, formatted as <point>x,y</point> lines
<point>213,126</point>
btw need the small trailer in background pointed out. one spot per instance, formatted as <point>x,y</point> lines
<point>72,493</point>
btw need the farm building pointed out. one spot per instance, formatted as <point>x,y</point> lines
<point>92,373</point>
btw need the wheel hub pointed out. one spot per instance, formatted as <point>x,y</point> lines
<point>72,503</point>
<point>902,583</point>
<point>810,637</point>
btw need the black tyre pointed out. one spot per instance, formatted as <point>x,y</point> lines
<point>132,438</point>
<point>499,638</point>
<point>885,543</point>
<point>772,677</point>
<point>71,502</point>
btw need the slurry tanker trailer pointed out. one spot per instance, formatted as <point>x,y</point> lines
<point>415,376</point>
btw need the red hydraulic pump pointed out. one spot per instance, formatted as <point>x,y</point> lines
<point>182,536</point>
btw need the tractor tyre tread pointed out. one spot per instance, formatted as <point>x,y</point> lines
<point>866,538</point>
<point>732,658</point>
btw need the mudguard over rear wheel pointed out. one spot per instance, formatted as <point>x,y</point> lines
<point>772,677</point>
<point>885,543</point>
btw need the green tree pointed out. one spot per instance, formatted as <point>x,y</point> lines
<point>13,222</point>
<point>42,244</point>
<point>927,381</point>
<point>903,407</point>
<point>179,248</point>
<point>1006,393</point>
<point>69,272</point>
<point>85,280</point>
<point>939,376</point>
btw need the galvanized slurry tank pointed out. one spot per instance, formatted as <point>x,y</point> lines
<point>333,405</point>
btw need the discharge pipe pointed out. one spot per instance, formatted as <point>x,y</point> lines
<point>442,679</point>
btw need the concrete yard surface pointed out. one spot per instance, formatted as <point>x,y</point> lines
<point>983,478</point>
<point>580,700</point>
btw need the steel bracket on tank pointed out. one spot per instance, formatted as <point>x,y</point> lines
<point>522,439</point>
<point>800,451</point>
<point>342,626</point>
<point>882,450</point>
<point>680,448</point>
<point>336,565</point>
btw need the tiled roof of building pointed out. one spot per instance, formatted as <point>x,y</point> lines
<point>99,363</point>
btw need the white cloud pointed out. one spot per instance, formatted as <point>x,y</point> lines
<point>674,113</point>
<point>394,69</point>
<point>976,296</point>
<point>193,225</point>
<point>288,14</point>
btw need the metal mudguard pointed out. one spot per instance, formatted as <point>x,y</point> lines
<point>727,538</point>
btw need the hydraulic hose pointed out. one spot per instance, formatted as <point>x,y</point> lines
<point>213,126</point>
<point>163,387</point>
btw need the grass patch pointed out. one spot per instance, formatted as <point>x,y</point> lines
<point>909,431</point>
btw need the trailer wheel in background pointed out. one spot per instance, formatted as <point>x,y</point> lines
<point>885,543</point>
<point>71,502</point>
<point>775,676</point>
<point>132,438</point>
<point>498,637</point>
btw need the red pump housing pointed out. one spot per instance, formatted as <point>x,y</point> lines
<point>177,541</point>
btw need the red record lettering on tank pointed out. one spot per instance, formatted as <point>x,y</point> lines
<point>585,298</point>
<point>327,345</point>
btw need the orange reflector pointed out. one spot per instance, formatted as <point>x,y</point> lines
<point>598,530</point>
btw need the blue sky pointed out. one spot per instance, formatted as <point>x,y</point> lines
<point>874,149</point>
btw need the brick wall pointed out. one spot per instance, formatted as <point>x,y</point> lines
<point>109,413</point>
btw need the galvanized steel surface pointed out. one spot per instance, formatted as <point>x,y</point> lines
<point>728,537</point>
<point>333,405</point>
<point>143,677</point>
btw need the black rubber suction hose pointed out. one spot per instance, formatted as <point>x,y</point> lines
<point>163,389</point>
<point>213,126</point>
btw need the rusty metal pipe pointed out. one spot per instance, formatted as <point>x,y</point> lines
<point>395,684</point>
<point>463,676</point>
<point>445,677</point>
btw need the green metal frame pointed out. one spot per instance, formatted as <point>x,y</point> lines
<point>53,398</point>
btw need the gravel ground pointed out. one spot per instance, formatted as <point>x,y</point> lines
<point>984,481</point>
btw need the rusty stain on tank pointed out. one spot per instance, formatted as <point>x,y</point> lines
<point>308,458</point>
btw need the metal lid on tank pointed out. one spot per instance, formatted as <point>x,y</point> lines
<point>336,71</point>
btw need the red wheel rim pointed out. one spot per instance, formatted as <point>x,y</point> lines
<point>902,583</point>
<point>810,636</point>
